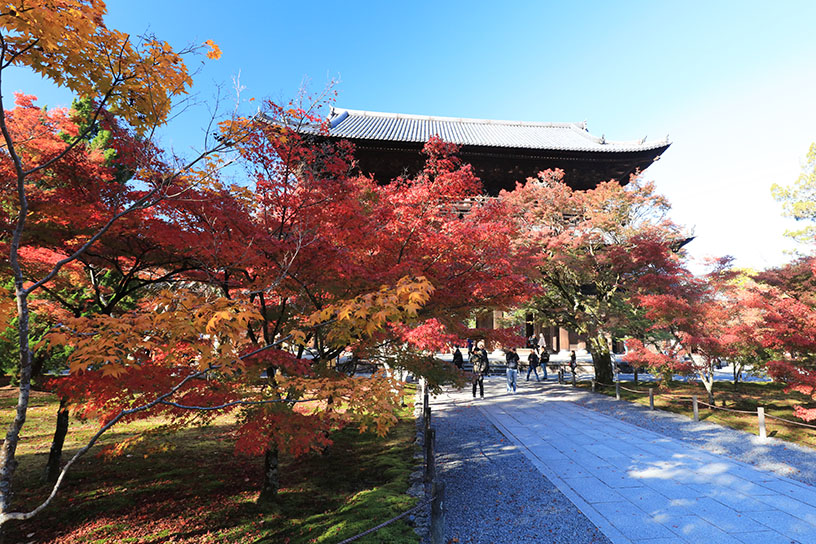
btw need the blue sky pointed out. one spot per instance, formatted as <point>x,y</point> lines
<point>731,82</point>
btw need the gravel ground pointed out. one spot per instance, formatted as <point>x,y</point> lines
<point>493,494</point>
<point>782,458</point>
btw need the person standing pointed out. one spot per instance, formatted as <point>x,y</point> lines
<point>573,364</point>
<point>544,360</point>
<point>512,359</point>
<point>542,342</point>
<point>532,364</point>
<point>458,360</point>
<point>478,358</point>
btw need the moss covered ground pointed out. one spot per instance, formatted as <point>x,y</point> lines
<point>190,487</point>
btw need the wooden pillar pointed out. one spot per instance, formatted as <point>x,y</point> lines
<point>529,327</point>
<point>497,315</point>
<point>485,320</point>
<point>563,340</point>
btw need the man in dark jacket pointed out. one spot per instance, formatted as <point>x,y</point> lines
<point>457,358</point>
<point>532,362</point>
<point>512,359</point>
<point>544,360</point>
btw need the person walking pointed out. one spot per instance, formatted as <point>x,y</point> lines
<point>512,359</point>
<point>478,358</point>
<point>458,360</point>
<point>573,364</point>
<point>532,364</point>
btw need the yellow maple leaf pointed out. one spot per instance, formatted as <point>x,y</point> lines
<point>380,316</point>
<point>113,370</point>
<point>345,313</point>
<point>411,308</point>
<point>298,337</point>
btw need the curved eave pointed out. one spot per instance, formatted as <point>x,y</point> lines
<point>508,152</point>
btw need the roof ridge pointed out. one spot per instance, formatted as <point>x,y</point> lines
<point>362,124</point>
<point>338,111</point>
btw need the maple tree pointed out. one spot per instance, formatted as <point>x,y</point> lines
<point>138,251</point>
<point>135,80</point>
<point>595,250</point>
<point>784,297</point>
<point>313,234</point>
<point>311,262</point>
<point>745,346</point>
<point>697,322</point>
<point>686,316</point>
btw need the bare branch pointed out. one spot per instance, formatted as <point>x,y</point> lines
<point>28,515</point>
<point>141,203</point>
<point>233,403</point>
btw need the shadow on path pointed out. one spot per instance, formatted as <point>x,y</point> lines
<point>493,493</point>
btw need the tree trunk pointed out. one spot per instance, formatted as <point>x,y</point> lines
<point>271,481</point>
<point>709,385</point>
<point>8,460</point>
<point>636,373</point>
<point>601,358</point>
<point>737,372</point>
<point>52,468</point>
<point>708,379</point>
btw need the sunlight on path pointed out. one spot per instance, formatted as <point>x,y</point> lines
<point>640,487</point>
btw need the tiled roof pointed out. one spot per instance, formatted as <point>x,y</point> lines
<point>370,125</point>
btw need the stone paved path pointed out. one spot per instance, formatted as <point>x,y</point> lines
<point>639,487</point>
<point>493,493</point>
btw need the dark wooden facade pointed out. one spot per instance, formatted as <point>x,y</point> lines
<point>500,168</point>
<point>502,153</point>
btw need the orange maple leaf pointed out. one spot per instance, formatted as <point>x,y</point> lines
<point>215,52</point>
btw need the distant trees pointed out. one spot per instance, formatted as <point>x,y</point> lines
<point>698,321</point>
<point>764,320</point>
<point>593,250</point>
<point>787,296</point>
<point>799,199</point>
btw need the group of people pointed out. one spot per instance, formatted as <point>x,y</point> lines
<point>534,361</point>
<point>477,356</point>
